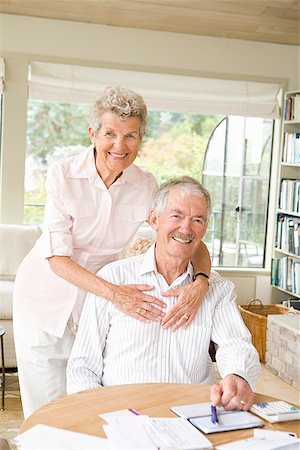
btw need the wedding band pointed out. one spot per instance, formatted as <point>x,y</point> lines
<point>242,402</point>
<point>138,311</point>
<point>185,316</point>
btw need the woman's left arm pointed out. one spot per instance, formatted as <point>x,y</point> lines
<point>191,295</point>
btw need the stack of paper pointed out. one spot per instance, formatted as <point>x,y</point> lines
<point>42,437</point>
<point>142,432</point>
<point>265,440</point>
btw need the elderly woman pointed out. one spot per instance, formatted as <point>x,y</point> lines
<point>96,201</point>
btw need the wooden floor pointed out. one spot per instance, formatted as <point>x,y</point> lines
<point>12,417</point>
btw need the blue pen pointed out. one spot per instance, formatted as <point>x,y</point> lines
<point>214,415</point>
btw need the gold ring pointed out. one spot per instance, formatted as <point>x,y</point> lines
<point>242,402</point>
<point>138,311</point>
<point>185,316</point>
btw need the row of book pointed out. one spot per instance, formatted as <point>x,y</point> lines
<point>288,234</point>
<point>291,148</point>
<point>289,198</point>
<point>292,107</point>
<point>285,273</point>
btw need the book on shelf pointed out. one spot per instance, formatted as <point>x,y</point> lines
<point>287,236</point>
<point>289,197</point>
<point>292,107</point>
<point>291,148</point>
<point>297,107</point>
<point>285,273</point>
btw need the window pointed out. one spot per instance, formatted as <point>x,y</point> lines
<point>54,131</point>
<point>231,156</point>
<point>236,172</point>
<point>229,152</point>
<point>174,145</point>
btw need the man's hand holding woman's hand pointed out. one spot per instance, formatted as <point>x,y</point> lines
<point>232,392</point>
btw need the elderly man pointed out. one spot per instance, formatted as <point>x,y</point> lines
<point>112,348</point>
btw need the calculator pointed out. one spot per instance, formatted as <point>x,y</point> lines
<point>278,411</point>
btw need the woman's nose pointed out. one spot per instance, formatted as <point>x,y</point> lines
<point>119,142</point>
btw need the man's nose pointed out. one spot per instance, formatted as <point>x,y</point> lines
<point>185,225</point>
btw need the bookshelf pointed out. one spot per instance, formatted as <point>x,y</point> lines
<point>285,274</point>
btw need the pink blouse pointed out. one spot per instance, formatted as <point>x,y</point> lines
<point>85,221</point>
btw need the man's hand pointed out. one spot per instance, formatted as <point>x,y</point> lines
<point>189,300</point>
<point>232,392</point>
<point>131,300</point>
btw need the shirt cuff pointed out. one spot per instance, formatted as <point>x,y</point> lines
<point>56,244</point>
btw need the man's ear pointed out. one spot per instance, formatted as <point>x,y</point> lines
<point>153,219</point>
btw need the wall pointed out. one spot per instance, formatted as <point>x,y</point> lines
<point>24,38</point>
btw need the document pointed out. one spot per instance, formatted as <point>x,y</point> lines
<point>264,440</point>
<point>141,432</point>
<point>195,410</point>
<point>42,437</point>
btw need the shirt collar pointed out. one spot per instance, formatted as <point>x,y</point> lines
<point>149,265</point>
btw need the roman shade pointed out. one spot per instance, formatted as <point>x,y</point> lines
<point>201,95</point>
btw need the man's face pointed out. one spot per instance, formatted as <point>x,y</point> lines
<point>181,225</point>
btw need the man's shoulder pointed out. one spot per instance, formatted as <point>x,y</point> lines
<point>217,281</point>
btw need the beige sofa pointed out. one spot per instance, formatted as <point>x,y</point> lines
<point>15,243</point>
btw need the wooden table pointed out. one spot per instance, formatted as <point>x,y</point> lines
<point>79,412</point>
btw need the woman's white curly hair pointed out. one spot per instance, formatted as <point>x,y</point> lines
<point>121,101</point>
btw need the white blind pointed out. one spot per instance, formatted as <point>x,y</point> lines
<point>2,72</point>
<point>200,95</point>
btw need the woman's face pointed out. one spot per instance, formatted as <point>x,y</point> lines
<point>117,143</point>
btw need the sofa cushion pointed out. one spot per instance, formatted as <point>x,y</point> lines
<point>6,299</point>
<point>15,243</point>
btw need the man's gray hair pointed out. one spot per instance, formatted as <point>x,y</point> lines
<point>121,101</point>
<point>187,186</point>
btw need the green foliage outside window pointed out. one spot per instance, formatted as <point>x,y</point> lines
<point>174,145</point>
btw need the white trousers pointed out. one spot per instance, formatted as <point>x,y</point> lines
<point>42,360</point>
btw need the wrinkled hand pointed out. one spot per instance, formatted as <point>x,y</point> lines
<point>131,300</point>
<point>232,392</point>
<point>189,300</point>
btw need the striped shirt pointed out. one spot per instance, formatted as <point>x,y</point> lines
<point>112,348</point>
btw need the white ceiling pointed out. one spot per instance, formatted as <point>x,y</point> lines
<point>276,21</point>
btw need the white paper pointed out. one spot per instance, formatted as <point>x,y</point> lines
<point>196,410</point>
<point>141,432</point>
<point>129,434</point>
<point>273,434</point>
<point>121,412</point>
<point>44,437</point>
<point>179,433</point>
<point>264,440</point>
